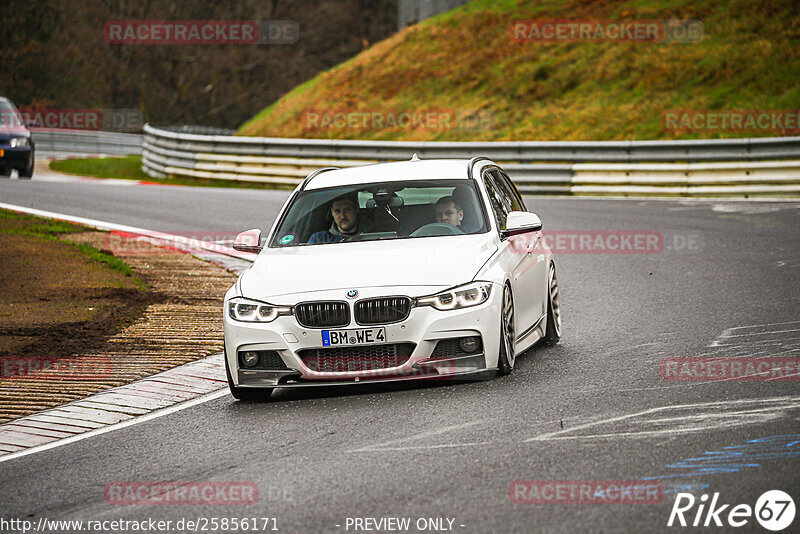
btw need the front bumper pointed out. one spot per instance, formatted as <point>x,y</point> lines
<point>14,158</point>
<point>463,368</point>
<point>424,327</point>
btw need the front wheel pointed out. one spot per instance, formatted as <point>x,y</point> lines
<point>245,394</point>
<point>27,172</point>
<point>553,331</point>
<point>507,356</point>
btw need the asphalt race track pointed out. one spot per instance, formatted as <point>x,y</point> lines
<point>595,408</point>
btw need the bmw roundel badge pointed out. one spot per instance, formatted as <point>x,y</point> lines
<point>353,293</point>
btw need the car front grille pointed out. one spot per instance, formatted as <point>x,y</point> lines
<point>382,310</point>
<point>364,358</point>
<point>322,314</point>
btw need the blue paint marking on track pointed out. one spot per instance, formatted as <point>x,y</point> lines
<point>730,459</point>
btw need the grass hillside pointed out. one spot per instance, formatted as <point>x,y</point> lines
<point>466,62</point>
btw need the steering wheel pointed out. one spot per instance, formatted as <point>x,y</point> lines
<point>436,229</point>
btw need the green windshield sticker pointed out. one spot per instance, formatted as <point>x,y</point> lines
<point>287,239</point>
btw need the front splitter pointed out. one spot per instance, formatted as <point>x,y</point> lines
<point>471,367</point>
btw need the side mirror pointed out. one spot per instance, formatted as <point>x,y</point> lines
<point>521,222</point>
<point>249,241</point>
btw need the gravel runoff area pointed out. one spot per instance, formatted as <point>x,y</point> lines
<point>176,321</point>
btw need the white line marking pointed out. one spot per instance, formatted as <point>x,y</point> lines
<point>118,426</point>
<point>766,333</point>
<point>172,240</point>
<point>787,351</point>
<point>759,325</point>
<point>758,341</point>
<point>742,352</point>
<point>158,412</point>
<point>729,332</point>
<point>643,433</point>
<point>784,377</point>
<point>682,385</point>
<point>555,435</point>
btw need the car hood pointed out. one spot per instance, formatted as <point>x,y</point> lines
<point>431,261</point>
<point>7,132</point>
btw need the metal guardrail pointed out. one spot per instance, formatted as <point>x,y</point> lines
<point>723,167</point>
<point>86,142</point>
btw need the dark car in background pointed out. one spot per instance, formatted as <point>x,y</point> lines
<point>16,144</point>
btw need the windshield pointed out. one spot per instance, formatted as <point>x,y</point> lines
<point>379,211</point>
<point>9,116</point>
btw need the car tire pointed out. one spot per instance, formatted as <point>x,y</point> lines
<point>245,394</point>
<point>27,172</point>
<point>506,356</point>
<point>553,331</point>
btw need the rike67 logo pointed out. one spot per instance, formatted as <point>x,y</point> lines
<point>774,510</point>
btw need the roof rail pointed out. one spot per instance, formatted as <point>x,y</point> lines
<point>472,163</point>
<point>315,173</point>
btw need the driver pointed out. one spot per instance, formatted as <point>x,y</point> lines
<point>449,211</point>
<point>344,212</point>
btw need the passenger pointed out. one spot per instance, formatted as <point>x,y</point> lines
<point>344,212</point>
<point>449,211</point>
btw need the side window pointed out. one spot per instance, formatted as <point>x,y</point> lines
<point>500,208</point>
<point>516,200</point>
<point>510,200</point>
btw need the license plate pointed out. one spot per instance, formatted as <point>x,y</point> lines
<point>349,338</point>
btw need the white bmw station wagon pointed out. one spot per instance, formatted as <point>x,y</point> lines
<point>396,271</point>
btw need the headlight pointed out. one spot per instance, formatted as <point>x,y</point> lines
<point>19,142</point>
<point>252,311</point>
<point>464,296</point>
